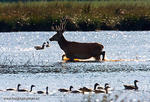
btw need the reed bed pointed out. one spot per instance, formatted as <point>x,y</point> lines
<point>84,16</point>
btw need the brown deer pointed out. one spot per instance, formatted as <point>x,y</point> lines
<point>76,50</point>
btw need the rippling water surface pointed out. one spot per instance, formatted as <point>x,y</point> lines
<point>21,63</point>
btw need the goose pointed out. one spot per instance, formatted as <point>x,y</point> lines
<point>47,45</point>
<point>24,90</point>
<point>84,89</point>
<point>105,90</point>
<point>13,89</point>
<point>65,90</point>
<point>42,92</point>
<point>75,91</point>
<point>31,88</point>
<point>131,87</point>
<point>40,47</point>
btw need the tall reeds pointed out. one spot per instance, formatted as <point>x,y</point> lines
<point>85,16</point>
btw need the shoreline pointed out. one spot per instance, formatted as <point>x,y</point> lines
<point>83,16</point>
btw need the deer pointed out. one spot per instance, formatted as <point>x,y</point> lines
<point>76,50</point>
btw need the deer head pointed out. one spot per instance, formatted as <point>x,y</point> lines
<point>60,30</point>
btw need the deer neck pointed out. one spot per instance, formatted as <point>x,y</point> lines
<point>62,43</point>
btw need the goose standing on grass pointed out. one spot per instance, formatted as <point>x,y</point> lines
<point>40,47</point>
<point>65,90</point>
<point>105,90</point>
<point>132,87</point>
<point>42,92</point>
<point>47,45</point>
<point>13,89</point>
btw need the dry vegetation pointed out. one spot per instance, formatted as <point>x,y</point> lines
<point>85,16</point>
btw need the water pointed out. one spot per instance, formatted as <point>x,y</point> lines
<point>21,63</point>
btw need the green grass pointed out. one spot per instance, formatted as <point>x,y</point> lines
<point>97,14</point>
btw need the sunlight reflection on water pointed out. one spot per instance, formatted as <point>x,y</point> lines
<point>21,63</point>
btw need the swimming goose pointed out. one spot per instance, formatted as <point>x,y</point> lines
<point>31,88</point>
<point>131,87</point>
<point>13,89</point>
<point>75,91</point>
<point>65,90</point>
<point>21,90</point>
<point>105,90</point>
<point>42,92</point>
<point>84,89</point>
<point>47,45</point>
<point>40,47</point>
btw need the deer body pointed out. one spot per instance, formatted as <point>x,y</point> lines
<point>76,50</point>
<point>83,50</point>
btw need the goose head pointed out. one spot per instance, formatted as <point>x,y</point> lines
<point>32,87</point>
<point>106,84</point>
<point>135,81</point>
<point>106,88</point>
<point>18,86</point>
<point>95,85</point>
<point>70,88</point>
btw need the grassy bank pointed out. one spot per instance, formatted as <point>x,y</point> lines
<point>84,16</point>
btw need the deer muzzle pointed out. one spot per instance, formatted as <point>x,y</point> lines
<point>51,39</point>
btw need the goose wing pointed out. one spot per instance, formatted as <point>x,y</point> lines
<point>129,87</point>
<point>37,47</point>
<point>85,89</point>
<point>22,90</point>
<point>99,91</point>
<point>100,87</point>
<point>63,90</point>
<point>10,89</point>
<point>75,91</point>
<point>40,92</point>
